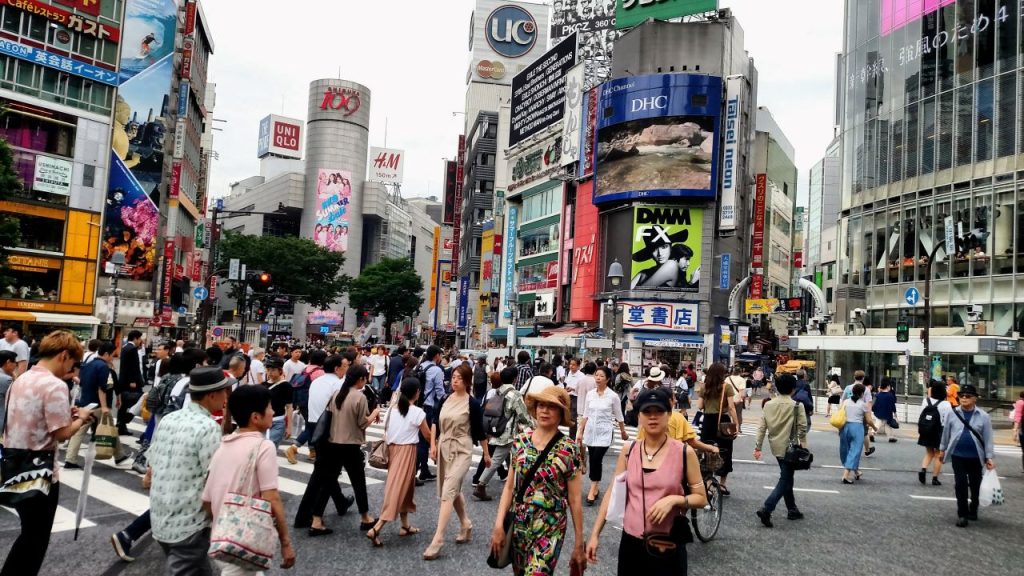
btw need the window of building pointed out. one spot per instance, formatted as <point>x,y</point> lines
<point>32,284</point>
<point>539,241</point>
<point>492,131</point>
<point>828,294</point>
<point>546,203</point>
<point>38,233</point>
<point>538,276</point>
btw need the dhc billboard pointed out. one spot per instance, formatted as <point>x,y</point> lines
<point>657,137</point>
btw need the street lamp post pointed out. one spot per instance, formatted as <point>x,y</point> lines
<point>925,335</point>
<point>615,275</point>
<point>117,260</point>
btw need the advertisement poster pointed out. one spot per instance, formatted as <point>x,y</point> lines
<point>333,193</point>
<point>666,248</point>
<point>629,13</point>
<point>657,136</point>
<point>52,175</point>
<point>147,35</point>
<point>130,224</point>
<point>141,124</point>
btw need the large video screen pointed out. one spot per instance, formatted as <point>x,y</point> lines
<point>656,154</point>
<point>657,137</point>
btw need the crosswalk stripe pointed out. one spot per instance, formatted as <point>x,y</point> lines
<point>63,520</point>
<point>107,492</point>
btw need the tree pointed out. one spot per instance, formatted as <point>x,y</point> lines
<point>10,182</point>
<point>390,288</point>
<point>296,265</point>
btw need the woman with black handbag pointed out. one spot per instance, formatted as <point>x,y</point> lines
<point>719,426</point>
<point>544,487</point>
<point>39,416</point>
<point>663,481</point>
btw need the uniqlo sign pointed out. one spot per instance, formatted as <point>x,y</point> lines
<point>760,199</point>
<point>280,136</point>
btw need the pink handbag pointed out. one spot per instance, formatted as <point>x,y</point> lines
<point>244,533</point>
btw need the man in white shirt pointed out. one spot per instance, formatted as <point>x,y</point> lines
<point>293,365</point>
<point>163,354</point>
<point>12,341</point>
<point>324,387</point>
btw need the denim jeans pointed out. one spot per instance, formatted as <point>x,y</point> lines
<point>306,434</point>
<point>783,489</point>
<point>276,432</point>
<point>423,450</point>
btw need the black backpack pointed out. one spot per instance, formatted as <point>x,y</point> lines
<point>496,419</point>
<point>420,373</point>
<point>929,423</point>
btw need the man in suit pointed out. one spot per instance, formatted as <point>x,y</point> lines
<point>130,380</point>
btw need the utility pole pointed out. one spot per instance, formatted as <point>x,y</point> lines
<point>926,332</point>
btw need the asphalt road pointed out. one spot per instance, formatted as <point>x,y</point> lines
<point>886,524</point>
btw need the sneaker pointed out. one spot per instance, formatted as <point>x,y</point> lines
<point>122,546</point>
<point>290,454</point>
<point>120,459</point>
<point>892,440</point>
<point>346,503</point>
<point>70,465</point>
<point>935,481</point>
<point>480,493</point>
<point>139,467</point>
<point>869,451</point>
<point>961,523</point>
<point>312,454</point>
<point>795,515</point>
<point>766,518</point>
<point>427,477</point>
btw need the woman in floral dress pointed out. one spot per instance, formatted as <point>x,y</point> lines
<point>540,517</point>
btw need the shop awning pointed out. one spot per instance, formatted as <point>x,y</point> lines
<point>72,319</point>
<point>667,341</point>
<point>565,331</point>
<point>17,315</point>
<point>502,333</point>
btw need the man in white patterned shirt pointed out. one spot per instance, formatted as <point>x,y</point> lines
<point>179,457</point>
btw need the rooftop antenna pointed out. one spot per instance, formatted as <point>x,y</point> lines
<point>385,131</point>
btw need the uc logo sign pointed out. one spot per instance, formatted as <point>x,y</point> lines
<point>511,31</point>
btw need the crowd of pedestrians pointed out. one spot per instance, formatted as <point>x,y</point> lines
<point>215,419</point>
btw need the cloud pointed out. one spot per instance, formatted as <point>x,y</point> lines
<point>413,56</point>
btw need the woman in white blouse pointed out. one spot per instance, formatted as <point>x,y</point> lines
<point>597,427</point>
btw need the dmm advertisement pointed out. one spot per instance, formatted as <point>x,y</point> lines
<point>629,13</point>
<point>538,92</point>
<point>333,194</point>
<point>666,248</point>
<point>129,223</point>
<point>657,137</point>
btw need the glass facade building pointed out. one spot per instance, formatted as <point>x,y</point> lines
<point>932,136</point>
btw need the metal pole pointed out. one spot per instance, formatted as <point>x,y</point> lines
<point>113,323</point>
<point>243,308</point>
<point>208,303</point>
<point>928,307</point>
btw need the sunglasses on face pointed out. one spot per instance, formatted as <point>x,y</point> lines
<point>966,396</point>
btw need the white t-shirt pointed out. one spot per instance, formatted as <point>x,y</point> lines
<point>320,392</point>
<point>179,387</point>
<point>379,364</point>
<point>255,368</point>
<point>293,367</point>
<point>404,429</point>
<point>945,408</point>
<point>20,348</point>
<point>570,381</point>
<point>560,373</point>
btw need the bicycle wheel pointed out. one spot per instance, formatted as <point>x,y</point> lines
<point>707,519</point>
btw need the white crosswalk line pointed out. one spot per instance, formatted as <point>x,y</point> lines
<point>63,520</point>
<point>107,492</point>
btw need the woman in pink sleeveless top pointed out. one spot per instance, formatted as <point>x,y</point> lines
<point>657,494</point>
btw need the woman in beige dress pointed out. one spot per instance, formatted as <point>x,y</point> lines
<point>460,424</point>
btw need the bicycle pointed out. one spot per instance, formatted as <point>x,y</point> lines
<point>706,520</point>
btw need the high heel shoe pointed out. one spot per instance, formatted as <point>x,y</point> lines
<point>433,551</point>
<point>465,534</point>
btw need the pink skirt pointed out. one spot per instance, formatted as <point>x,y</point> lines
<point>401,482</point>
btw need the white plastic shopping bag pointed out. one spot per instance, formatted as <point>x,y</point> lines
<point>617,506</point>
<point>991,492</point>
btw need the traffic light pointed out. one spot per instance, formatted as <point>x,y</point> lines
<point>260,280</point>
<point>902,332</point>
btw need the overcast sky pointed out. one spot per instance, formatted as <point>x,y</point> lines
<point>413,56</point>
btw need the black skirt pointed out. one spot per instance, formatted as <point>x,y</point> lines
<point>634,559</point>
<point>932,440</point>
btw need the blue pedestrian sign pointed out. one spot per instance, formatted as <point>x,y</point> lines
<point>325,329</point>
<point>182,310</point>
<point>200,293</point>
<point>912,296</point>
<point>220,203</point>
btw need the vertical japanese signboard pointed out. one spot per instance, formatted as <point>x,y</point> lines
<point>510,259</point>
<point>460,164</point>
<point>572,115</point>
<point>732,175</point>
<point>757,241</point>
<point>463,301</point>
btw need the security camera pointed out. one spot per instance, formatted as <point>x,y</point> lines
<point>857,313</point>
<point>974,313</point>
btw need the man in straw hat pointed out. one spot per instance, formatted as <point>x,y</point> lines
<point>183,445</point>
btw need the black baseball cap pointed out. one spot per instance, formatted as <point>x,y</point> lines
<point>968,390</point>
<point>653,397</point>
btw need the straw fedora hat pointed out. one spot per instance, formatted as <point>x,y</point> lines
<point>548,392</point>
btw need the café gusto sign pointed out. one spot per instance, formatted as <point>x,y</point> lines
<point>345,99</point>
